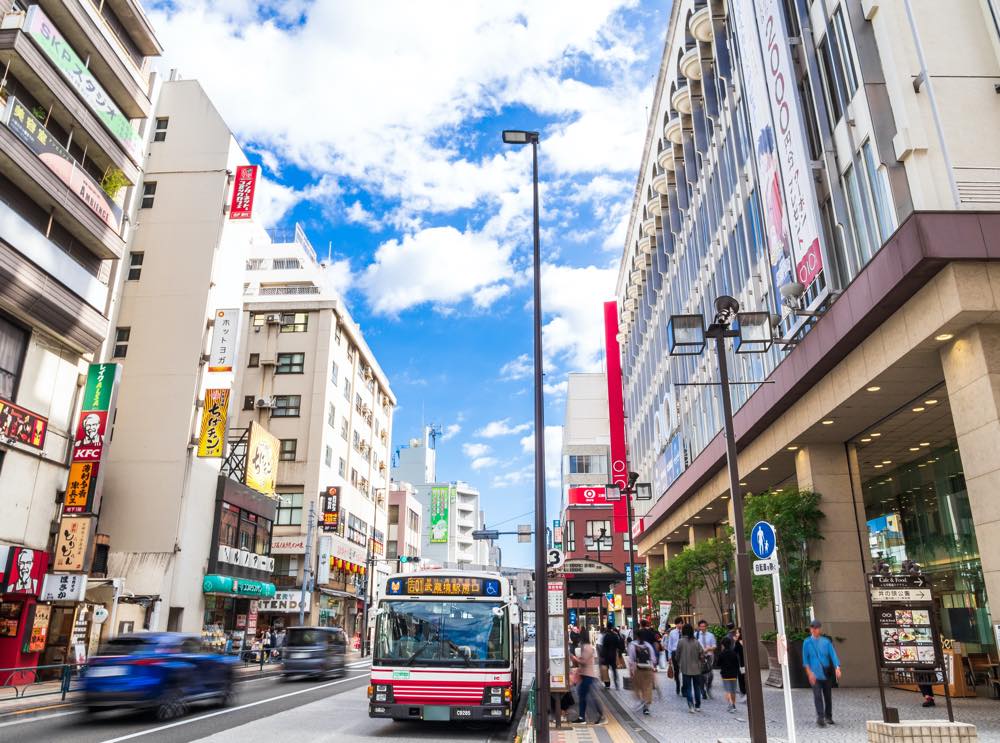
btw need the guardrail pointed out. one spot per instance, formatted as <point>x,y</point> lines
<point>24,681</point>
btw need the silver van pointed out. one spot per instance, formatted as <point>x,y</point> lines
<point>314,651</point>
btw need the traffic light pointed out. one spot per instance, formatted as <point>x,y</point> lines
<point>403,559</point>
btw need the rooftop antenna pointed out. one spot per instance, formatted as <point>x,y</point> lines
<point>433,431</point>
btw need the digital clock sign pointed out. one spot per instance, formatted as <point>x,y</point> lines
<point>443,585</point>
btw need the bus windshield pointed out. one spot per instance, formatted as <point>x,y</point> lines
<point>442,633</point>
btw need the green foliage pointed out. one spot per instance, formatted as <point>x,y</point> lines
<point>795,514</point>
<point>769,636</point>
<point>113,181</point>
<point>704,565</point>
<point>39,113</point>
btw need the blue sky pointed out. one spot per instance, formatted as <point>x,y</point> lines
<point>378,128</point>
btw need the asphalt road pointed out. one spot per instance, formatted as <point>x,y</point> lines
<point>256,699</point>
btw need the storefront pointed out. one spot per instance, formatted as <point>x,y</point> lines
<point>282,610</point>
<point>21,622</point>
<point>231,611</point>
<point>340,596</point>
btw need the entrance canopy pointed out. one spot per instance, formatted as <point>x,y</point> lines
<point>587,579</point>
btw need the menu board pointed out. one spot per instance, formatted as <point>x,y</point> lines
<point>906,637</point>
<point>10,618</point>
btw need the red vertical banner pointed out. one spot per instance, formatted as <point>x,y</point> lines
<point>243,187</point>
<point>616,413</point>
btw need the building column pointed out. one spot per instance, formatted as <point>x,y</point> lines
<point>972,375</point>
<point>838,590</point>
<point>654,562</point>
<point>701,603</point>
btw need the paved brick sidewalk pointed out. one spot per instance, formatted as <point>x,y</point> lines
<point>669,719</point>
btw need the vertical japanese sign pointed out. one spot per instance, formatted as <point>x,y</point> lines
<point>224,337</point>
<point>331,508</point>
<point>791,214</point>
<point>83,486</point>
<point>43,32</point>
<point>243,188</point>
<point>213,423</point>
<point>262,460</point>
<point>439,515</point>
<point>72,553</point>
<point>616,415</point>
<point>34,639</point>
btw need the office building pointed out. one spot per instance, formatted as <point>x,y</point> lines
<point>405,525</point>
<point>828,168</point>
<point>72,145</point>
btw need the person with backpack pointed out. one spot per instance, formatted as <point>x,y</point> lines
<point>641,657</point>
<point>690,657</point>
<point>608,655</point>
<point>708,644</point>
<point>729,671</point>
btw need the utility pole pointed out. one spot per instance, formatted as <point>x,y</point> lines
<point>307,568</point>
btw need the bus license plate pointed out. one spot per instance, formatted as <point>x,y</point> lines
<point>463,713</point>
<point>437,714</point>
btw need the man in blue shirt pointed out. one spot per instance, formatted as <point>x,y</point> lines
<point>822,667</point>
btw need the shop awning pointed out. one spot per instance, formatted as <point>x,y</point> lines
<point>224,585</point>
<point>338,594</point>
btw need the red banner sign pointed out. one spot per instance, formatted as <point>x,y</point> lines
<point>22,425</point>
<point>243,187</point>
<point>616,414</point>
<point>24,571</point>
<point>593,496</point>
<point>89,442</point>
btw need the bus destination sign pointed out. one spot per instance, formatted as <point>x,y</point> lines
<point>444,585</point>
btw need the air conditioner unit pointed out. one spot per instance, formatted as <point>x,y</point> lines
<point>270,361</point>
<point>273,319</point>
<point>265,403</point>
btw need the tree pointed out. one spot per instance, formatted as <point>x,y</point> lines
<point>703,565</point>
<point>795,515</point>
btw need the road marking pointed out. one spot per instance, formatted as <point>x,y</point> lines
<point>272,676</point>
<point>38,719</point>
<point>189,720</point>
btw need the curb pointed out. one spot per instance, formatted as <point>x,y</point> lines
<point>627,721</point>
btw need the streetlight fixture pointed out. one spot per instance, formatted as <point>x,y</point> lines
<point>641,491</point>
<point>751,332</point>
<point>520,137</point>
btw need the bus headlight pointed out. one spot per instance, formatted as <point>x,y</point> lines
<point>496,695</point>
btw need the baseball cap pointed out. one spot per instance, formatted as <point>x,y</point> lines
<point>815,623</point>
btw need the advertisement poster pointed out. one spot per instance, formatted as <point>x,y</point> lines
<point>790,217</point>
<point>21,425</point>
<point>592,496</point>
<point>46,36</point>
<point>906,637</point>
<point>243,188</point>
<point>34,641</point>
<point>88,445</point>
<point>331,508</point>
<point>439,515</point>
<point>56,158</point>
<point>24,571</point>
<point>83,486</point>
<point>262,460</point>
<point>213,423</point>
<point>224,337</point>
<point>616,415</point>
<point>73,543</point>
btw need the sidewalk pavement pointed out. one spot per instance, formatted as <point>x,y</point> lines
<point>46,696</point>
<point>669,719</point>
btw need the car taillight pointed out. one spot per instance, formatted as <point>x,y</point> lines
<point>147,661</point>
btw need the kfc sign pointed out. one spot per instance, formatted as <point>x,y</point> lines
<point>593,496</point>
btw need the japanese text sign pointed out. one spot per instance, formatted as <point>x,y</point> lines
<point>64,587</point>
<point>73,543</point>
<point>243,188</point>
<point>224,337</point>
<point>213,423</point>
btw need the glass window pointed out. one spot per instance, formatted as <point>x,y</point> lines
<point>286,565</point>
<point>160,133</point>
<point>342,467</point>
<point>248,402</point>
<point>865,235</point>
<point>598,531</point>
<point>290,363</point>
<point>333,373</point>
<point>229,525</point>
<point>286,406</point>
<point>13,344</point>
<point>328,456</point>
<point>294,322</point>
<point>345,430</point>
<point>442,633</point>
<point>289,509</point>
<point>839,74</point>
<point>148,195</point>
<point>262,543</point>
<point>248,526</point>
<point>135,266</point>
<point>331,415</point>
<point>254,360</point>
<point>879,189</point>
<point>122,336</point>
<point>569,535</point>
<point>288,447</point>
<point>594,464</point>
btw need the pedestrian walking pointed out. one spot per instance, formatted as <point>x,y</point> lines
<point>708,643</point>
<point>928,691</point>
<point>729,671</point>
<point>608,656</point>
<point>586,664</point>
<point>823,668</point>
<point>641,657</point>
<point>738,647</point>
<point>690,657</point>
<point>672,639</point>
<point>266,645</point>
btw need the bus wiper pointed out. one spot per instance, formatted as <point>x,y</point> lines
<point>458,651</point>
<point>418,651</point>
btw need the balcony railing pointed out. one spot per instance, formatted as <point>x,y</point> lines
<point>276,291</point>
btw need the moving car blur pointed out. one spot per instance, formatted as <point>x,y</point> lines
<point>314,651</point>
<point>164,672</point>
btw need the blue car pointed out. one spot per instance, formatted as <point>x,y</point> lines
<point>163,672</point>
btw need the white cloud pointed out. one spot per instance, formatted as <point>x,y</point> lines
<point>338,276</point>
<point>575,298</point>
<point>481,463</point>
<point>518,368</point>
<point>512,477</point>
<point>475,450</point>
<point>556,389</point>
<point>494,429</point>
<point>357,214</point>
<point>450,431</point>
<point>439,265</point>
<point>553,453</point>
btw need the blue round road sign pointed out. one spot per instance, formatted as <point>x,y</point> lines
<point>762,540</point>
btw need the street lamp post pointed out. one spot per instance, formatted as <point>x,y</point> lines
<point>517,137</point>
<point>686,336</point>
<point>642,491</point>
<point>370,576</point>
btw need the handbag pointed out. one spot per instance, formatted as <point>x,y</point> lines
<point>670,670</point>
<point>604,674</point>
<point>620,663</point>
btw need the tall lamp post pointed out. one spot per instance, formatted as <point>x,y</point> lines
<point>640,491</point>
<point>751,333</point>
<point>518,137</point>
